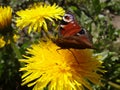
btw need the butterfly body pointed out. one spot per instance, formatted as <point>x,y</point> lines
<point>72,35</point>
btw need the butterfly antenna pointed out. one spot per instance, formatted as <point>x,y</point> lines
<point>74,56</point>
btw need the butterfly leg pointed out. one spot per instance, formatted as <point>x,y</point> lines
<point>58,49</point>
<point>74,56</point>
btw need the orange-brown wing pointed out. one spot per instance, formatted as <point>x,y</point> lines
<point>70,29</point>
<point>72,35</point>
<point>69,26</point>
<point>76,42</point>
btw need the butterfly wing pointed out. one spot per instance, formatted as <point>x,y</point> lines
<point>73,35</point>
<point>69,26</point>
<point>76,41</point>
<point>70,29</point>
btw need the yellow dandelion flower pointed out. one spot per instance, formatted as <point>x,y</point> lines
<point>2,42</point>
<point>35,16</point>
<point>5,17</point>
<point>15,38</point>
<point>60,69</point>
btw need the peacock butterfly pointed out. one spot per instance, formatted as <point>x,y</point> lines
<point>72,35</point>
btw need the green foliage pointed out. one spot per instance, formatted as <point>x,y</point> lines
<point>94,15</point>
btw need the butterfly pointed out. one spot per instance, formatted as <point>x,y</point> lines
<point>72,35</point>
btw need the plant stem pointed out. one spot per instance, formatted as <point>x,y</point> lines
<point>114,85</point>
<point>15,48</point>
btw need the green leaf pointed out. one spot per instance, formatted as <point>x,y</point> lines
<point>96,6</point>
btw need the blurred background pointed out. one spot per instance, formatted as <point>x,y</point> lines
<point>100,17</point>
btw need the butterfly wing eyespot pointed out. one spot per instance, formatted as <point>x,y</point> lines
<point>68,18</point>
<point>81,32</point>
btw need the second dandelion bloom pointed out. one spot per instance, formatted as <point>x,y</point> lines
<point>35,16</point>
<point>5,17</point>
<point>46,66</point>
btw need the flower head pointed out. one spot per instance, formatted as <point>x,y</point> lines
<point>5,17</point>
<point>35,16</point>
<point>60,69</point>
<point>2,42</point>
<point>5,41</point>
